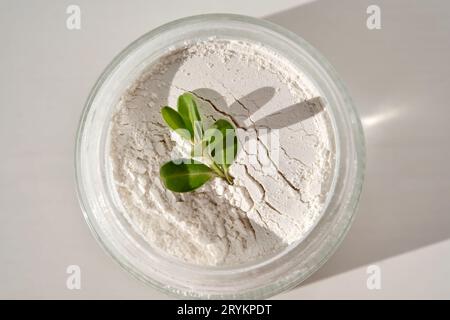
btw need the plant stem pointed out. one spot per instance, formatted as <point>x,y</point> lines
<point>228,177</point>
<point>217,169</point>
<point>223,173</point>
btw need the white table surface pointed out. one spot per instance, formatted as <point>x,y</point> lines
<point>399,77</point>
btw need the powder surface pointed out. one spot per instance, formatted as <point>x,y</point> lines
<point>282,173</point>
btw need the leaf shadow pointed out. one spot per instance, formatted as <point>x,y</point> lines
<point>245,110</point>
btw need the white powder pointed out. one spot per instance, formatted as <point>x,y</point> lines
<point>278,193</point>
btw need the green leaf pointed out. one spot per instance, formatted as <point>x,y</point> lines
<point>222,143</point>
<point>184,175</point>
<point>187,107</point>
<point>175,122</point>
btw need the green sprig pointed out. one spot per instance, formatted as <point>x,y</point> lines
<point>216,147</point>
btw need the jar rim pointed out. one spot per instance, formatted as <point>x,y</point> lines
<point>352,171</point>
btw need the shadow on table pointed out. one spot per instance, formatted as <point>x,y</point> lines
<point>399,79</point>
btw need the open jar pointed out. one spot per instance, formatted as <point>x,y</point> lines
<point>256,279</point>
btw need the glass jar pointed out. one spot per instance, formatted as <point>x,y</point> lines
<point>257,279</point>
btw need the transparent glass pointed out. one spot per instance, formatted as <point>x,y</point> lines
<point>257,279</point>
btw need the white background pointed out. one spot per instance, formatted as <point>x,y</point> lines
<point>399,77</point>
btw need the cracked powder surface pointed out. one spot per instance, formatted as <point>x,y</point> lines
<point>283,171</point>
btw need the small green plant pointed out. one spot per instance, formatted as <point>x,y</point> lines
<point>212,150</point>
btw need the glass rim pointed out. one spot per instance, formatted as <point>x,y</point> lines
<point>356,136</point>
